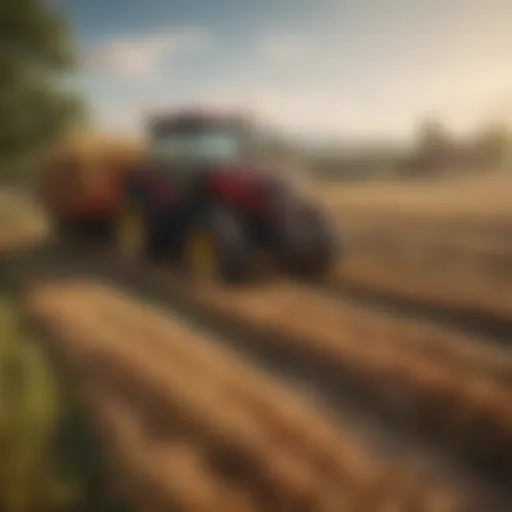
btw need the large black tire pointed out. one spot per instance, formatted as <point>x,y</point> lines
<point>310,244</point>
<point>231,250</point>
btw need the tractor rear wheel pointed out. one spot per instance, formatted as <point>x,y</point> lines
<point>217,248</point>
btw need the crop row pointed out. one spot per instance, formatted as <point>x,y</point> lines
<point>440,392</point>
<point>251,438</point>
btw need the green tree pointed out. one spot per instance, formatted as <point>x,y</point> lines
<point>433,136</point>
<point>434,146</point>
<point>36,56</point>
<point>492,143</point>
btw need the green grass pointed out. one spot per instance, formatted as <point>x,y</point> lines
<point>50,459</point>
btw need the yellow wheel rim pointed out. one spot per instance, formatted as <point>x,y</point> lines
<point>130,234</point>
<point>202,256</point>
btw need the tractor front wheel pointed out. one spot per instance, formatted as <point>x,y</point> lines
<point>217,248</point>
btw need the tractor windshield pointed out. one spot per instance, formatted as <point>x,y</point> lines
<point>207,144</point>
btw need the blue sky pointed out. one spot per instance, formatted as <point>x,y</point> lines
<point>338,68</point>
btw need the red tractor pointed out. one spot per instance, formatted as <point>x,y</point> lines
<point>201,199</point>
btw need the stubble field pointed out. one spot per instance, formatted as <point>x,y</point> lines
<point>386,388</point>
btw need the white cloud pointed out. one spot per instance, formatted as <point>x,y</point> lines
<point>141,55</point>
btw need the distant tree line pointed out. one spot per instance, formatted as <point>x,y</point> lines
<point>435,151</point>
<point>439,151</point>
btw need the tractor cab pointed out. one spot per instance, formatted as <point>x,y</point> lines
<point>190,143</point>
<point>191,148</point>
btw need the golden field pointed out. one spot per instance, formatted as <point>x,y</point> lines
<point>446,242</point>
<point>204,416</point>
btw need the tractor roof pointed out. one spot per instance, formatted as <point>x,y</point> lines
<point>195,116</point>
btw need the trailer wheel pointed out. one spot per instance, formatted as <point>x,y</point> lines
<point>130,232</point>
<point>217,248</point>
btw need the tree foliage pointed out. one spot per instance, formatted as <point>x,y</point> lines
<point>492,143</point>
<point>36,54</point>
<point>434,141</point>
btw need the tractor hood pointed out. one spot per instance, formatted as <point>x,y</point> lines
<point>248,173</point>
<point>261,175</point>
<point>251,182</point>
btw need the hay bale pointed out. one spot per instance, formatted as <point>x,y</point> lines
<point>83,163</point>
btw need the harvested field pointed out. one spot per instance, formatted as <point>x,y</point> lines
<point>254,445</point>
<point>442,245</point>
<point>481,197</point>
<point>285,396</point>
<point>434,383</point>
